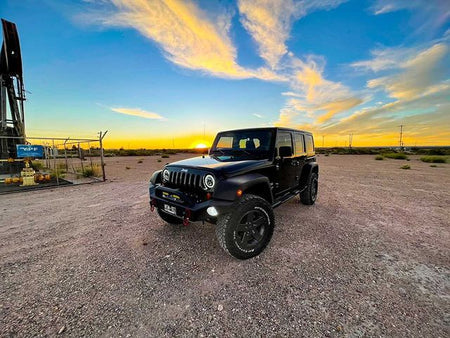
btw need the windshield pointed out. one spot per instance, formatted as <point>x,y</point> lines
<point>243,144</point>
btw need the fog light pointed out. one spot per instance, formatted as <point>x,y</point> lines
<point>212,211</point>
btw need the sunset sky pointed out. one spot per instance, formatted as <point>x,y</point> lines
<point>173,73</point>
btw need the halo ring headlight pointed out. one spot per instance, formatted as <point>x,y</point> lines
<point>165,175</point>
<point>209,181</point>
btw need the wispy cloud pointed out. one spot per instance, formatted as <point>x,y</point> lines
<point>427,14</point>
<point>138,112</point>
<point>189,37</point>
<point>420,87</point>
<point>384,59</point>
<point>314,97</point>
<point>269,22</point>
<point>416,75</point>
<point>258,115</point>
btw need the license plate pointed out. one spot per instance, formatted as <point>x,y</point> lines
<point>170,209</point>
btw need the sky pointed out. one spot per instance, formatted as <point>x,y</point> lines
<point>167,73</point>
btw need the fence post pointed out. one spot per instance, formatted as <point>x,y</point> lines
<point>65,154</point>
<point>80,155</point>
<point>54,162</point>
<point>100,139</point>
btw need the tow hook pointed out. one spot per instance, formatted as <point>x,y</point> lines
<point>187,215</point>
<point>152,205</point>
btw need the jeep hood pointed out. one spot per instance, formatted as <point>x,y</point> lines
<point>215,164</point>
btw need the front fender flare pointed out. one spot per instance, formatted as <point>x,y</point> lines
<point>227,188</point>
<point>156,177</point>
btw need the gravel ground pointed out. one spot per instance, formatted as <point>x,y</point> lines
<point>370,258</point>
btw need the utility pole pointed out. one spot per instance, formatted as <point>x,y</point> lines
<point>323,141</point>
<point>401,137</point>
<point>350,139</point>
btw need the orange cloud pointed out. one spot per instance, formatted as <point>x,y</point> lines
<point>188,36</point>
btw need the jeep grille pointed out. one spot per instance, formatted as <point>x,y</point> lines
<point>181,179</point>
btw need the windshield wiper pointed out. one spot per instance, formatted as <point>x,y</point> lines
<point>220,151</point>
<point>241,151</point>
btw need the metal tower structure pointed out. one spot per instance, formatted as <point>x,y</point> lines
<point>12,93</point>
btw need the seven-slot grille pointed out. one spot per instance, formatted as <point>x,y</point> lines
<point>184,179</point>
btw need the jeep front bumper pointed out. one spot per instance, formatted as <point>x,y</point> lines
<point>181,205</point>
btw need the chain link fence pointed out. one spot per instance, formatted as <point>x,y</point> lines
<point>61,161</point>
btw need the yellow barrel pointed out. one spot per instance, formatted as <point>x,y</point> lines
<point>8,180</point>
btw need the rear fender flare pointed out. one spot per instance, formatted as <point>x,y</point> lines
<point>306,171</point>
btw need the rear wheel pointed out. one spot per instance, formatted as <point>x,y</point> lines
<point>169,218</point>
<point>309,195</point>
<point>246,231</point>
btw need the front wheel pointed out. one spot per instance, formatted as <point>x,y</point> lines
<point>246,231</point>
<point>169,218</point>
<point>309,195</point>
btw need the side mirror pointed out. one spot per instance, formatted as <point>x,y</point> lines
<point>285,151</point>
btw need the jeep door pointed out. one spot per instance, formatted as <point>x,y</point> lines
<point>285,168</point>
<point>299,154</point>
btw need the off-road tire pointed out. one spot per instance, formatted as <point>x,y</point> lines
<point>309,195</point>
<point>228,227</point>
<point>168,218</point>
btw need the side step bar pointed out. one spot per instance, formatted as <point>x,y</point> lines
<point>286,198</point>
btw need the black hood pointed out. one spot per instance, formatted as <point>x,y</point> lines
<point>217,165</point>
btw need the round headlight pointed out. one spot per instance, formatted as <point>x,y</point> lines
<point>209,181</point>
<point>165,175</point>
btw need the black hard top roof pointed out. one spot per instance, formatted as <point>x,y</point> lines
<point>268,128</point>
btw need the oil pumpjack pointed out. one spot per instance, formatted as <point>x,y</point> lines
<point>12,97</point>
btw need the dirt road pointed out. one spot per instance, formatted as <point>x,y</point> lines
<point>372,257</point>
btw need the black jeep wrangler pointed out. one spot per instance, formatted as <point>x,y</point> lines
<point>247,173</point>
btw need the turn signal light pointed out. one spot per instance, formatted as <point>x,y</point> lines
<point>239,193</point>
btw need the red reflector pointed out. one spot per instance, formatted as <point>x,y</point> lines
<point>208,196</point>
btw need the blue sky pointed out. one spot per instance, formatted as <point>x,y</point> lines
<point>151,71</point>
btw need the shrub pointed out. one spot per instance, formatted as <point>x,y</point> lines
<point>406,166</point>
<point>434,159</point>
<point>57,173</point>
<point>165,156</point>
<point>91,171</point>
<point>140,161</point>
<point>433,166</point>
<point>379,158</point>
<point>159,160</point>
<point>396,156</point>
<point>36,165</point>
<point>61,165</point>
<point>127,168</point>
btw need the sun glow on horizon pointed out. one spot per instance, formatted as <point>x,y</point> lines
<point>201,146</point>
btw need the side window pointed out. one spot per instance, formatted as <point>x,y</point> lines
<point>299,144</point>
<point>309,145</point>
<point>284,139</point>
